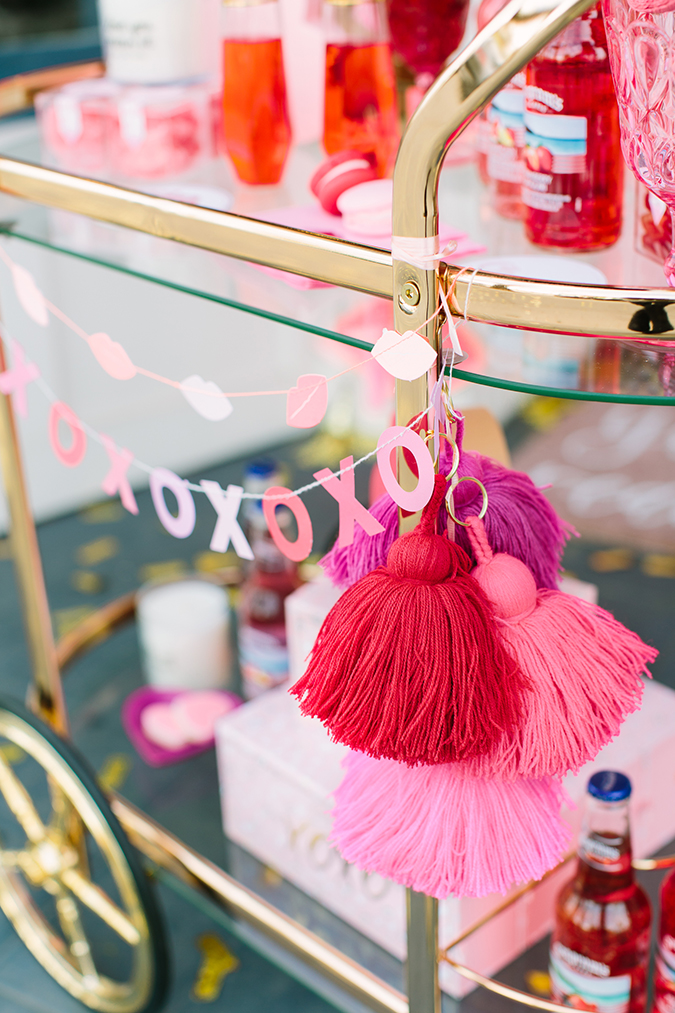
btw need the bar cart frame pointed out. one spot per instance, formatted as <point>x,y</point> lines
<point>503,48</point>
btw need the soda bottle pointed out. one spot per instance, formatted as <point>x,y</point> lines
<point>255,115</point>
<point>664,971</point>
<point>600,945</point>
<point>263,649</point>
<point>573,180</point>
<point>361,107</point>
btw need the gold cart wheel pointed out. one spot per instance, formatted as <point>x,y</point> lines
<point>70,882</point>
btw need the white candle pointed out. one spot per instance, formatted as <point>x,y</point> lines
<point>183,628</point>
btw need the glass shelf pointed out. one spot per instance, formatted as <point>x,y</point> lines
<point>517,360</point>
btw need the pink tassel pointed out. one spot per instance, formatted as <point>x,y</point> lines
<point>582,664</point>
<point>520,521</point>
<point>440,832</point>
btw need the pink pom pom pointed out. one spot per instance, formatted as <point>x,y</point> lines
<point>440,832</point>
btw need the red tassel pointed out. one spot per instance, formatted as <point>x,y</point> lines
<point>407,664</point>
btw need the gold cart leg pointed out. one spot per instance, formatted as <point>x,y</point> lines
<point>50,704</point>
<point>424,995</point>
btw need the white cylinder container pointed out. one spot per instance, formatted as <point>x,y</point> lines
<point>183,628</point>
<point>160,41</point>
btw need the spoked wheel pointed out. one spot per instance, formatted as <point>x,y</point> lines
<point>70,882</point>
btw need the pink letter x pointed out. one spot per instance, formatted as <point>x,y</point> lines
<point>14,381</point>
<point>116,480</point>
<point>351,511</point>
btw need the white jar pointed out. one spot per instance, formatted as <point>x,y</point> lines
<point>184,632</point>
<point>160,41</point>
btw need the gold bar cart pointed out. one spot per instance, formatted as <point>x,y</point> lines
<point>54,858</point>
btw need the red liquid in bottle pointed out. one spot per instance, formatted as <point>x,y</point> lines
<point>255,116</point>
<point>425,32</point>
<point>573,182</point>
<point>664,971</point>
<point>600,945</point>
<point>361,107</point>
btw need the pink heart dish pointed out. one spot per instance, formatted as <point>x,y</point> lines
<point>307,402</point>
<point>160,729</point>
<point>111,356</point>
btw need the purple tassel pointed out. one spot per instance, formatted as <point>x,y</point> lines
<point>520,521</point>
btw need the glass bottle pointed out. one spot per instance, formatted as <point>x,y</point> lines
<point>425,32</point>
<point>255,114</point>
<point>501,138</point>
<point>263,649</point>
<point>573,181</point>
<point>664,971</point>
<point>600,945</point>
<point>360,112</point>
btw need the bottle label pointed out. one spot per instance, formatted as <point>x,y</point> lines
<point>263,657</point>
<point>555,145</point>
<point>664,979</point>
<point>507,133</point>
<point>601,854</point>
<point>587,984</point>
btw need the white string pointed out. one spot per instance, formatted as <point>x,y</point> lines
<point>52,397</point>
<point>468,293</point>
<point>420,252</point>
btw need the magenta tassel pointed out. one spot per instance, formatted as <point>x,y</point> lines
<point>520,521</point>
<point>440,832</point>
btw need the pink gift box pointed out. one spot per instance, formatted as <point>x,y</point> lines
<point>277,772</point>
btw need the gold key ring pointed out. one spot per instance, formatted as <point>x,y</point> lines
<point>448,499</point>
<point>455,452</point>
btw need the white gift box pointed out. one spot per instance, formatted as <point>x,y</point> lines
<point>277,772</point>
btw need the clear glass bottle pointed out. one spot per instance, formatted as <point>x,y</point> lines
<point>573,179</point>
<point>255,114</point>
<point>361,110</point>
<point>600,945</point>
<point>664,970</point>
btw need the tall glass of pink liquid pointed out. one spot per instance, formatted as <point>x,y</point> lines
<point>641,40</point>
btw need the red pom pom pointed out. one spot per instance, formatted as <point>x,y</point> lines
<point>407,665</point>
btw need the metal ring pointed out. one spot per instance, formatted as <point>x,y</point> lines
<point>448,499</point>
<point>455,452</point>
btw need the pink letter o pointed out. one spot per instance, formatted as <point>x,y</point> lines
<point>183,525</point>
<point>399,436</point>
<point>299,549</point>
<point>73,455</point>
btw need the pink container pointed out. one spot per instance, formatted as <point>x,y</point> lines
<point>74,125</point>
<point>162,131</point>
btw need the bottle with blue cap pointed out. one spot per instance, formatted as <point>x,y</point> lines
<point>600,945</point>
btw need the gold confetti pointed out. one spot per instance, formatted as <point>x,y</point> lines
<point>87,581</point>
<point>270,876</point>
<point>655,565</point>
<point>66,620</point>
<point>97,551</point>
<point>543,413</point>
<point>114,771</point>
<point>210,562</point>
<point>168,570</point>
<point>539,982</point>
<point>108,512</point>
<point>217,963</point>
<point>11,753</point>
<point>611,560</point>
